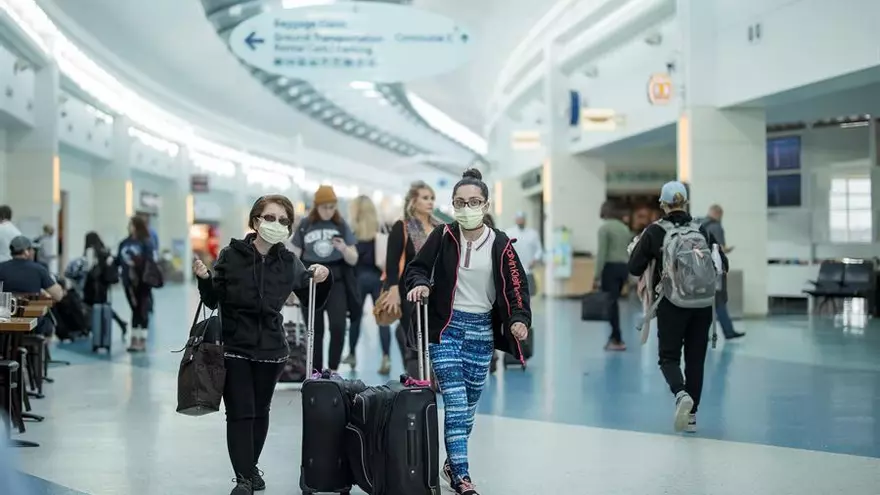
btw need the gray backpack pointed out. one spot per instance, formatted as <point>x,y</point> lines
<point>688,274</point>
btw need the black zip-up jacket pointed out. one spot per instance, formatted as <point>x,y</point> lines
<point>512,303</point>
<point>250,290</point>
<point>650,246</point>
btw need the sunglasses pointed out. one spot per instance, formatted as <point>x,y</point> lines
<point>272,218</point>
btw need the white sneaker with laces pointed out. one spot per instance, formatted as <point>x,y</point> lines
<point>683,405</point>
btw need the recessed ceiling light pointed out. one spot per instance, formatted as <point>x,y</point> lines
<point>293,91</point>
<point>316,106</point>
<point>361,130</point>
<point>328,113</point>
<point>283,81</point>
<point>361,85</point>
<point>374,135</point>
<point>235,10</point>
<point>305,99</point>
<point>348,126</point>
<point>337,121</point>
<point>372,93</point>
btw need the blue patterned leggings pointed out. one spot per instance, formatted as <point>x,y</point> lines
<point>461,363</point>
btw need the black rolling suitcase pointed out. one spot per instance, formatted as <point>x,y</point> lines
<point>392,438</point>
<point>326,403</point>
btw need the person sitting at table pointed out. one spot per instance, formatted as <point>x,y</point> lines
<point>23,275</point>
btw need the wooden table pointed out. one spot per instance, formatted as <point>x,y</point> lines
<point>18,325</point>
<point>47,303</point>
<point>34,311</point>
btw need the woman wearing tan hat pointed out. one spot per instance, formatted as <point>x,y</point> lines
<point>324,238</point>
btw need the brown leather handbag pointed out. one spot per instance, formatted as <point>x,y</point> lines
<point>383,316</point>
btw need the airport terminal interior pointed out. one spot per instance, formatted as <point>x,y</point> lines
<point>140,140</point>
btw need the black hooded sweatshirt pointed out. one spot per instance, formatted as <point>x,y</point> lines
<point>250,290</point>
<point>436,266</point>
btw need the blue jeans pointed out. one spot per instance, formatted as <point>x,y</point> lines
<point>724,319</point>
<point>369,284</point>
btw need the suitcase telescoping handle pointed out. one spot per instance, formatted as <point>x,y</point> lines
<point>310,327</point>
<point>422,339</point>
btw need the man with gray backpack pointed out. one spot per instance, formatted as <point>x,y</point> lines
<point>687,264</point>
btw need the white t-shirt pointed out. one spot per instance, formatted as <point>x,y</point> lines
<point>475,291</point>
<point>8,231</point>
<point>527,245</point>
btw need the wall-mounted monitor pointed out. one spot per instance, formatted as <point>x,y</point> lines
<point>784,153</point>
<point>783,190</point>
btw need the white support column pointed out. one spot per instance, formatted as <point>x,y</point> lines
<point>873,138</point>
<point>722,156</point>
<point>177,213</point>
<point>234,224</point>
<point>113,202</point>
<point>33,175</point>
<point>574,186</point>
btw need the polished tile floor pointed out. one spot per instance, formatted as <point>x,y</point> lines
<point>792,409</point>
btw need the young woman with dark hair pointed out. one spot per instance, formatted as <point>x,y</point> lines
<point>611,272</point>
<point>132,257</point>
<point>325,238</point>
<point>252,279</point>
<point>478,301</point>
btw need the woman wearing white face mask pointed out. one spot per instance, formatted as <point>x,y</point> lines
<point>479,302</point>
<point>252,279</point>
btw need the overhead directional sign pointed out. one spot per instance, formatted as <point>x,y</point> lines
<point>352,41</point>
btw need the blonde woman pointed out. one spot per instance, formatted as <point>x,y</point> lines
<point>365,223</point>
<point>405,240</point>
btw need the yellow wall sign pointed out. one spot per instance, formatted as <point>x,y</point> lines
<point>660,89</point>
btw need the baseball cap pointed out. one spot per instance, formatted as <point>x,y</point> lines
<point>19,244</point>
<point>673,193</point>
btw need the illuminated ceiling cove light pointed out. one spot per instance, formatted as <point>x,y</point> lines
<point>447,125</point>
<point>362,85</point>
<point>154,142</point>
<point>118,98</point>
<point>372,93</point>
<point>223,168</point>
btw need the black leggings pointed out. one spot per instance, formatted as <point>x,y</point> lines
<point>140,299</point>
<point>369,284</point>
<point>677,327</point>
<point>336,309</point>
<point>247,395</point>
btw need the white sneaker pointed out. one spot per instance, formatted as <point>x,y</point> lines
<point>683,405</point>
<point>692,424</point>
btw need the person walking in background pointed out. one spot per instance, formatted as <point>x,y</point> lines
<point>611,270</point>
<point>680,326</point>
<point>528,247</point>
<point>713,226</point>
<point>252,279</point>
<point>324,238</point>
<point>365,223</point>
<point>92,274</point>
<point>8,231</point>
<point>405,240</point>
<point>133,255</point>
<point>477,302</point>
<point>45,244</point>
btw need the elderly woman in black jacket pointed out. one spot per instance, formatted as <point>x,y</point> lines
<point>252,279</point>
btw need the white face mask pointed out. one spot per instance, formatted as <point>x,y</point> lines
<point>469,218</point>
<point>273,232</point>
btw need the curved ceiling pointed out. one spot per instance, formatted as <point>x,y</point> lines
<point>173,54</point>
<point>498,26</point>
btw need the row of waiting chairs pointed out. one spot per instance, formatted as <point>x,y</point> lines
<point>839,280</point>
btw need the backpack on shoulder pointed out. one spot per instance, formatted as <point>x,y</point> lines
<point>688,275</point>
